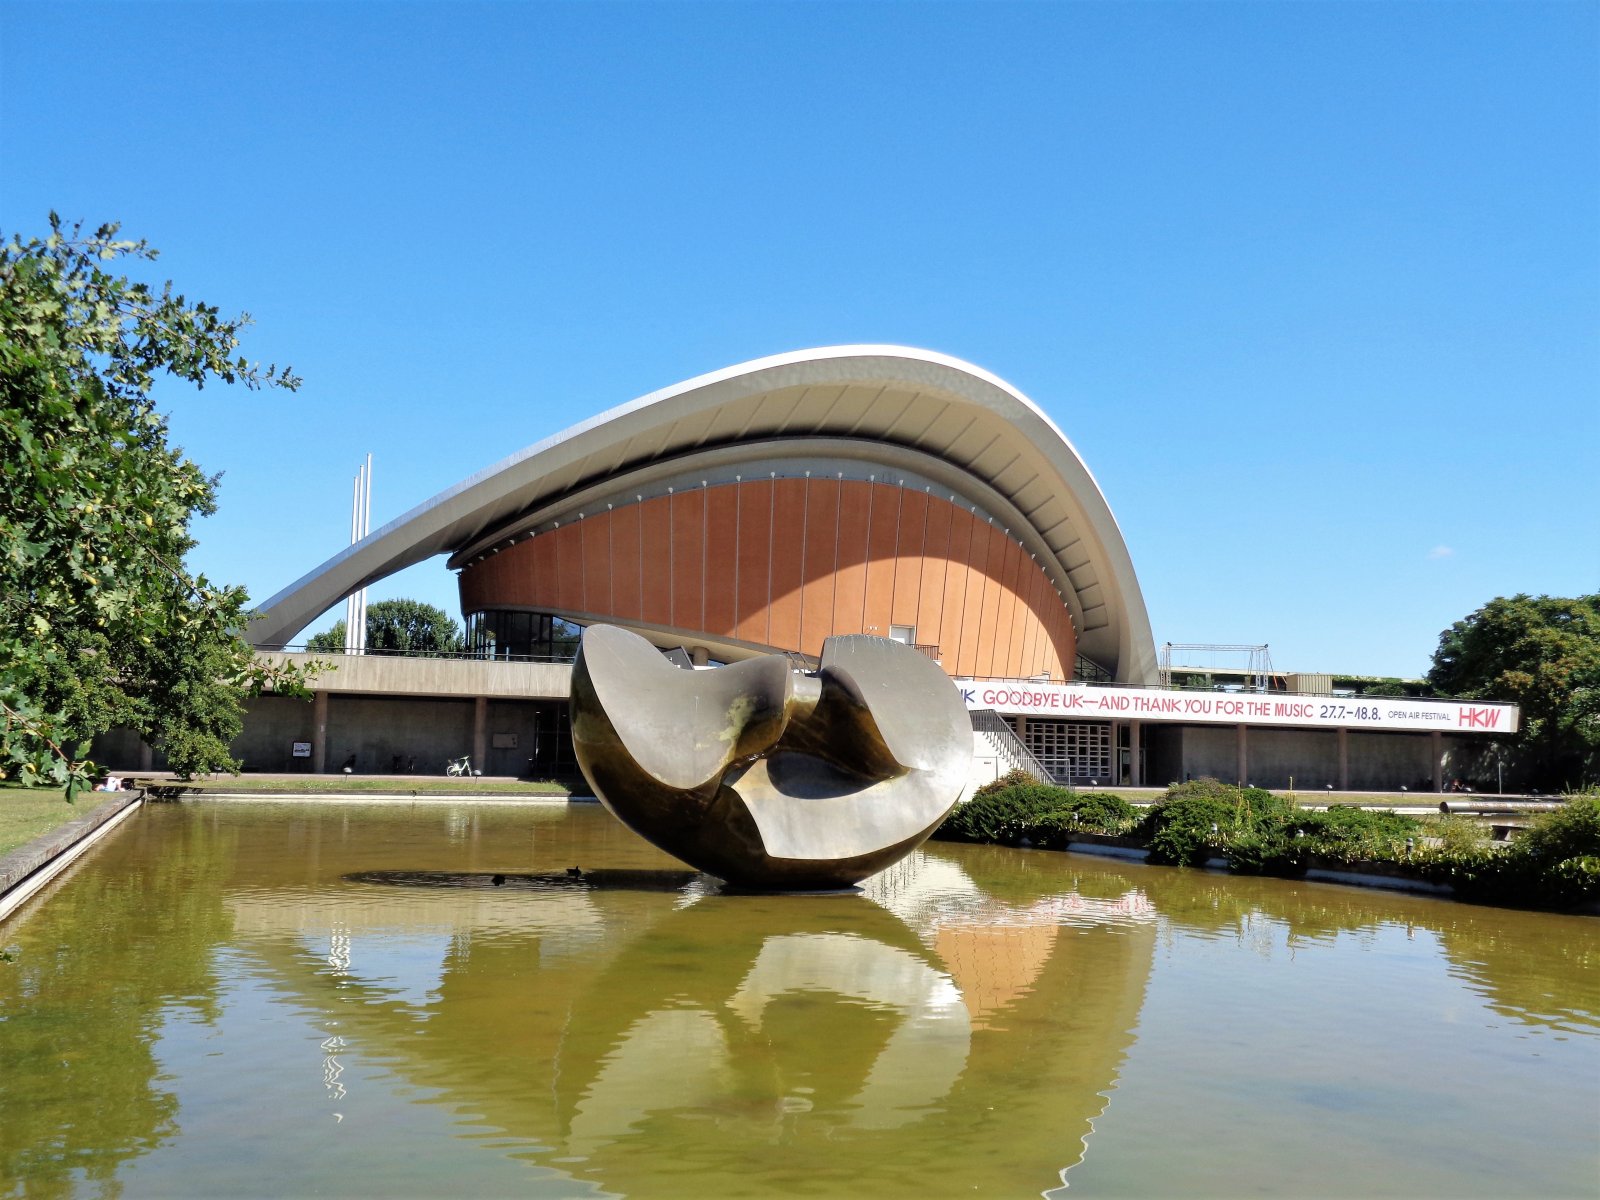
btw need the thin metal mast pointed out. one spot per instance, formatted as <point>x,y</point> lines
<point>355,605</point>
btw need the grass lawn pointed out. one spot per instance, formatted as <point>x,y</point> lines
<point>27,813</point>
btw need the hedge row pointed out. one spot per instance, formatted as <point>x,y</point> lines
<point>1555,863</point>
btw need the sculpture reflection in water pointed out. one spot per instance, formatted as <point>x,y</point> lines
<point>860,1041</point>
<point>764,776</point>
<point>914,1044</point>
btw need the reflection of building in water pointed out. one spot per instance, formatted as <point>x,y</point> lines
<point>999,964</point>
<point>994,951</point>
<point>867,1043</point>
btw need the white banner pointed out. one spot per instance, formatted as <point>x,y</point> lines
<point>1090,702</point>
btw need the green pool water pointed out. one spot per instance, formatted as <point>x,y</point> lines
<point>282,999</point>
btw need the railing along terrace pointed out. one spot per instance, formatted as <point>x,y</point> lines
<point>471,655</point>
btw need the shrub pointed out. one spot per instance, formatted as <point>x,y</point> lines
<point>1190,821</point>
<point>1347,833</point>
<point>1281,843</point>
<point>1456,835</point>
<point>1555,863</point>
<point>1205,787</point>
<point>1102,812</point>
<point>1008,815</point>
<point>1011,779</point>
<point>1088,812</point>
<point>1572,831</point>
<point>1260,833</point>
<point>1025,810</point>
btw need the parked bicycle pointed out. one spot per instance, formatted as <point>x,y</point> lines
<point>461,767</point>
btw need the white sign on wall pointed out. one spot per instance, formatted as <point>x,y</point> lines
<point>1090,702</point>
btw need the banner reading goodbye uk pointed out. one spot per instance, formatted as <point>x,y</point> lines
<point>1090,702</point>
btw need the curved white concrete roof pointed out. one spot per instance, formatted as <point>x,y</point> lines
<point>943,416</point>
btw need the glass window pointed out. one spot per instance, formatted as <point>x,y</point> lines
<point>522,636</point>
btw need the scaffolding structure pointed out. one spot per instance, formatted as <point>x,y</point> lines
<point>1251,665</point>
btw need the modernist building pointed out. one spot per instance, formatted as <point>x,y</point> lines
<point>766,507</point>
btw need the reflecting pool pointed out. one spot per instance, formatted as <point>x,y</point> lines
<point>238,999</point>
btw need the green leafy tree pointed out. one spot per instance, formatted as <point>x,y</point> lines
<point>1543,653</point>
<point>101,624</point>
<point>399,626</point>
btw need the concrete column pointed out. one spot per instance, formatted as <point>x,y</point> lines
<point>147,757</point>
<point>1135,757</point>
<point>700,656</point>
<point>480,733</point>
<point>1116,753</point>
<point>1437,749</point>
<point>1344,760</point>
<point>319,733</point>
<point>1244,754</point>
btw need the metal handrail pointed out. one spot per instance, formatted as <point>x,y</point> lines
<point>467,655</point>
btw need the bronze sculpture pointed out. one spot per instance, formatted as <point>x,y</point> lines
<point>764,776</point>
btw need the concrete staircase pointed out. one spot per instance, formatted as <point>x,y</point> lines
<point>996,749</point>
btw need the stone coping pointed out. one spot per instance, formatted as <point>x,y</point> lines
<point>29,867</point>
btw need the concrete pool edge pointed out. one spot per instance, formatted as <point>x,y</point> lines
<point>27,869</point>
<point>384,798</point>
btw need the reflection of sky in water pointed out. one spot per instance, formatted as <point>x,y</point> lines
<point>405,966</point>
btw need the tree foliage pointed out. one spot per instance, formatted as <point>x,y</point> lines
<point>397,626</point>
<point>101,623</point>
<point>1543,653</point>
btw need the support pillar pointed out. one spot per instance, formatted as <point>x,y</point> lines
<point>147,757</point>
<point>1135,754</point>
<point>1344,760</point>
<point>1437,748</point>
<point>1244,753</point>
<point>1116,753</point>
<point>319,732</point>
<point>480,733</point>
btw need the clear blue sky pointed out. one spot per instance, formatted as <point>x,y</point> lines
<point>1313,288</point>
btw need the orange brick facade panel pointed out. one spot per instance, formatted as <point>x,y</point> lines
<point>788,562</point>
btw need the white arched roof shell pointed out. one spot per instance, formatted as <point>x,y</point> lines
<point>902,400</point>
